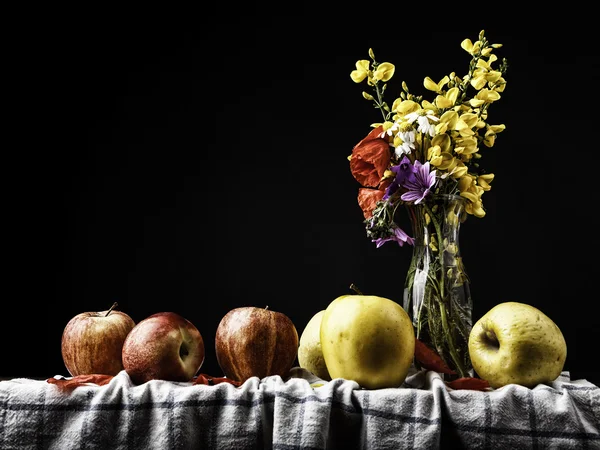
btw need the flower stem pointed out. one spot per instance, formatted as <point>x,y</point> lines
<point>443,312</point>
<point>451,347</point>
<point>438,232</point>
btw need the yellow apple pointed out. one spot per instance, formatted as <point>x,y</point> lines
<point>310,353</point>
<point>517,343</point>
<point>368,339</point>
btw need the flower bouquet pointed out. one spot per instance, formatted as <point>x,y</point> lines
<point>425,156</point>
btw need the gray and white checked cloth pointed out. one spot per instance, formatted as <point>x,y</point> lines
<point>300,412</point>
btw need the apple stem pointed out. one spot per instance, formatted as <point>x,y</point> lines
<point>355,289</point>
<point>115,304</point>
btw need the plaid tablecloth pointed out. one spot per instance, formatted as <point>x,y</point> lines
<point>301,412</point>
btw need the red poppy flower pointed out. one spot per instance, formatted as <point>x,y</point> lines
<point>368,198</point>
<point>370,159</point>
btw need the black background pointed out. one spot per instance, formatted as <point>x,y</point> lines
<point>198,167</point>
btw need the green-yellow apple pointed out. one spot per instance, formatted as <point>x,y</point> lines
<point>368,339</point>
<point>310,353</point>
<point>92,342</point>
<point>516,343</point>
<point>252,341</point>
<point>163,346</point>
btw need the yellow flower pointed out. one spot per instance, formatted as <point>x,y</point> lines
<point>473,49</point>
<point>404,107</point>
<point>497,128</point>
<point>442,141</point>
<point>448,99</point>
<point>471,191</point>
<point>433,86</point>
<point>441,160</point>
<point>448,121</point>
<point>433,243</point>
<point>499,85</point>
<point>447,129</point>
<point>490,134</point>
<point>384,72</point>
<point>388,175</point>
<point>451,247</point>
<point>487,51</point>
<point>452,218</point>
<point>465,124</point>
<point>434,155</point>
<point>485,180</point>
<point>458,170</point>
<point>468,187</point>
<point>484,96</point>
<point>361,71</point>
<point>465,183</point>
<point>484,74</point>
<point>465,147</point>
<point>475,209</point>
<point>427,105</point>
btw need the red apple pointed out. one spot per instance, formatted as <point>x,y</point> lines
<point>163,346</point>
<point>92,342</point>
<point>253,341</point>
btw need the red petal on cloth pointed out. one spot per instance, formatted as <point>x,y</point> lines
<point>370,159</point>
<point>430,360</point>
<point>80,380</point>
<point>474,384</point>
<point>211,381</point>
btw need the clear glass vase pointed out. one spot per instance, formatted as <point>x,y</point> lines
<point>437,291</point>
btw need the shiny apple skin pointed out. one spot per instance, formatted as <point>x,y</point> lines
<point>92,342</point>
<point>255,342</point>
<point>163,346</point>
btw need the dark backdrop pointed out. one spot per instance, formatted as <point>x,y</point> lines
<point>197,169</point>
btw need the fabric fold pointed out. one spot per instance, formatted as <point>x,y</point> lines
<point>301,411</point>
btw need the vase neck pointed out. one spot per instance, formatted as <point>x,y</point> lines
<point>437,221</point>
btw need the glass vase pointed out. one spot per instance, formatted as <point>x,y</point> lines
<point>437,291</point>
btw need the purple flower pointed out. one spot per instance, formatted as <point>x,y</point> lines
<point>399,236</point>
<point>420,186</point>
<point>404,171</point>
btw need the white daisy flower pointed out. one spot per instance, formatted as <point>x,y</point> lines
<point>425,126</point>
<point>389,131</point>
<point>424,119</point>
<point>408,143</point>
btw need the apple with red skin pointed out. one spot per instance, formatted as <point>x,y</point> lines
<point>163,346</point>
<point>92,342</point>
<point>252,341</point>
